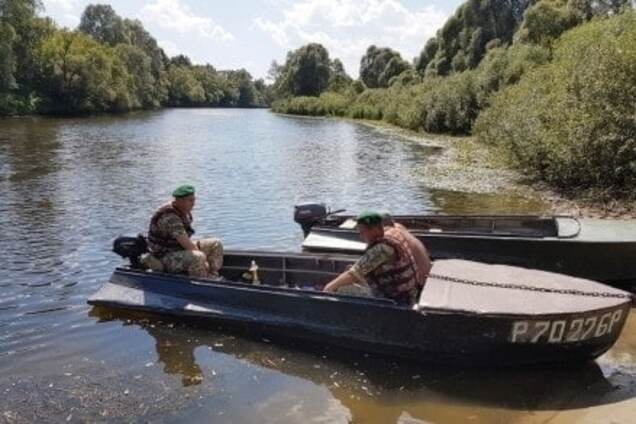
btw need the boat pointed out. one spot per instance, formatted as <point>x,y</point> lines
<point>595,249</point>
<point>468,313</point>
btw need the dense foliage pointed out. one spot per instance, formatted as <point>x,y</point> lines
<point>461,42</point>
<point>572,122</point>
<point>107,64</point>
<point>308,71</point>
<point>379,65</point>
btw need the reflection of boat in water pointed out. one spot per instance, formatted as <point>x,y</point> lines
<point>457,319</point>
<point>377,389</point>
<point>601,250</point>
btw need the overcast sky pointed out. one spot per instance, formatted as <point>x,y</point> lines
<point>251,33</point>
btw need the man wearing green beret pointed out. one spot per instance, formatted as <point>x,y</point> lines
<point>388,265</point>
<point>170,239</point>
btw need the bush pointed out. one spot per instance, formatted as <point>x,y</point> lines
<point>572,122</point>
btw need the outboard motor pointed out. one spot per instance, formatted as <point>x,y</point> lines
<point>131,248</point>
<point>308,215</point>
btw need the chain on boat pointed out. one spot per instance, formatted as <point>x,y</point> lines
<point>533,288</point>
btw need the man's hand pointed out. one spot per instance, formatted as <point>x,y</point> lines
<point>343,279</point>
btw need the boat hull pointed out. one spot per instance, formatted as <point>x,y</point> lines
<point>367,324</point>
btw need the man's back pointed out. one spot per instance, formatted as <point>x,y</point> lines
<point>422,258</point>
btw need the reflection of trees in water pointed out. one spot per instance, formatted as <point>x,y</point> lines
<point>387,390</point>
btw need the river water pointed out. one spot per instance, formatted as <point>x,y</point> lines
<point>69,186</point>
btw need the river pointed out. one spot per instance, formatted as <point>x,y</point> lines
<point>69,186</point>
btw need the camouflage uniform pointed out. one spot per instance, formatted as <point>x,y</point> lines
<point>372,259</point>
<point>203,263</point>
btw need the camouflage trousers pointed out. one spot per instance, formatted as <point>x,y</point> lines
<point>206,262</point>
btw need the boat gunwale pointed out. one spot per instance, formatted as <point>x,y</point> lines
<point>374,301</point>
<point>553,219</point>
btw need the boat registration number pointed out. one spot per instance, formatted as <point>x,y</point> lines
<point>565,330</point>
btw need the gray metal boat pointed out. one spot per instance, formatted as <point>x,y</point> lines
<point>468,313</point>
<point>597,249</point>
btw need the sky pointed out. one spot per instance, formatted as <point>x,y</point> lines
<point>251,33</point>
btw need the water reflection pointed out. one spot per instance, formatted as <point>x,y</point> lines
<point>375,389</point>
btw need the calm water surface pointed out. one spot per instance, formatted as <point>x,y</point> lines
<point>69,186</point>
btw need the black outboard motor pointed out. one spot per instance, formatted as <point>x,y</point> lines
<point>131,248</point>
<point>308,215</point>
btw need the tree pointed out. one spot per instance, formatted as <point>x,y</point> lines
<point>427,55</point>
<point>185,89</point>
<point>181,60</point>
<point>142,85</point>
<point>274,71</point>
<point>29,31</point>
<point>339,80</point>
<point>82,75</point>
<point>102,23</point>
<point>306,72</point>
<point>466,34</point>
<point>379,65</point>
<point>7,58</point>
<point>139,37</point>
<point>545,21</point>
<point>242,80</point>
<point>210,82</point>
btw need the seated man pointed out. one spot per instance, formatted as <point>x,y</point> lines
<point>388,264</point>
<point>169,239</point>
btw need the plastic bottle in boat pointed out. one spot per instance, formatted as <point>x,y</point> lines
<point>254,272</point>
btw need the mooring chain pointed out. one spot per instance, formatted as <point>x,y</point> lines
<point>531,288</point>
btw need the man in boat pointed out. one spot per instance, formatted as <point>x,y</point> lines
<point>169,239</point>
<point>388,265</point>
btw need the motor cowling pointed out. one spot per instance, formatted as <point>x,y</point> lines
<point>131,248</point>
<point>308,215</point>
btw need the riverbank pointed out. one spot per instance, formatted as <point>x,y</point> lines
<point>463,164</point>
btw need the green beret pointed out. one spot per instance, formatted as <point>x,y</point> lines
<point>369,218</point>
<point>183,191</point>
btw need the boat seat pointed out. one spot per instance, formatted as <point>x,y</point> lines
<point>349,224</point>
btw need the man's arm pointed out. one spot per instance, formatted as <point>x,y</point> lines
<point>173,225</point>
<point>342,280</point>
<point>186,243</point>
<point>370,260</point>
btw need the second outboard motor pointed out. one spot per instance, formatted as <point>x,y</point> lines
<point>131,248</point>
<point>308,215</point>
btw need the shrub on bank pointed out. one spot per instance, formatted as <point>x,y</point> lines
<point>572,122</point>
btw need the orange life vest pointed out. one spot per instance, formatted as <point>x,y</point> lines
<point>400,278</point>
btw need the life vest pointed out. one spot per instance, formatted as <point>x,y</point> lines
<point>158,237</point>
<point>399,279</point>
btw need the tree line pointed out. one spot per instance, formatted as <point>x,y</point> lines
<point>551,83</point>
<point>106,64</point>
